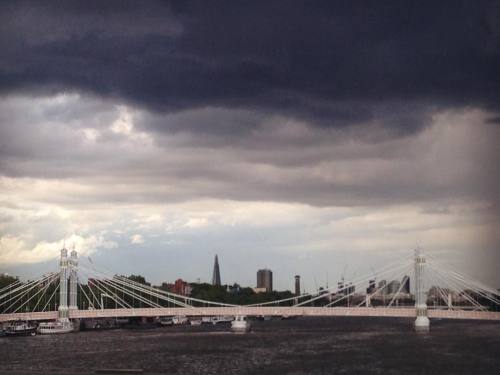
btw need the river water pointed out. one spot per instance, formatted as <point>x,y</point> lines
<point>298,346</point>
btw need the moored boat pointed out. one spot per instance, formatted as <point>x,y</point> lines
<point>180,319</point>
<point>20,329</point>
<point>56,327</point>
<point>166,321</point>
<point>195,321</point>
<point>240,324</point>
<point>221,319</point>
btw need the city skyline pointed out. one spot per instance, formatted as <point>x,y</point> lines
<point>301,137</point>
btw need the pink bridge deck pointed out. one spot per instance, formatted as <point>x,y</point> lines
<point>255,311</point>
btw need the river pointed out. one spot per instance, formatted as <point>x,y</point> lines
<point>297,346</point>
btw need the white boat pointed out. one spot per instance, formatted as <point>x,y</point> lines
<point>240,324</point>
<point>221,319</point>
<point>52,328</point>
<point>180,319</point>
<point>195,321</point>
<point>166,321</point>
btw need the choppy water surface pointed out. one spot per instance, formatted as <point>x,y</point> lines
<point>300,346</point>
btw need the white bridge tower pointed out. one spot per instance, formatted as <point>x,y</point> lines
<point>73,279</point>
<point>63,286</point>
<point>422,322</point>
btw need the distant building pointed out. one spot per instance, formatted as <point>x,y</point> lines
<point>166,286</point>
<point>180,287</point>
<point>371,287</point>
<point>350,289</point>
<point>406,284</point>
<point>233,289</point>
<point>265,279</point>
<point>259,290</point>
<point>297,285</point>
<point>345,288</point>
<point>393,287</point>
<point>340,287</point>
<point>216,272</point>
<point>382,287</point>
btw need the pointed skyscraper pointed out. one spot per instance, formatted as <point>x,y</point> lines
<point>216,274</point>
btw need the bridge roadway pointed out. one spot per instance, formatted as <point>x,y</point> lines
<point>256,311</point>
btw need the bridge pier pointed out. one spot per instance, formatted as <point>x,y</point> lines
<point>422,322</point>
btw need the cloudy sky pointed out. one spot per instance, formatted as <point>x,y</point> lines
<point>312,138</point>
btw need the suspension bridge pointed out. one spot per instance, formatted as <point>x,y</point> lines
<point>439,292</point>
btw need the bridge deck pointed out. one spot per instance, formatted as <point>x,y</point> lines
<point>255,311</point>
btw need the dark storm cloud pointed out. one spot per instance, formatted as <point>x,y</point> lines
<point>493,120</point>
<point>331,63</point>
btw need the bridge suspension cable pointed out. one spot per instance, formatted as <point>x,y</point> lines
<point>96,283</point>
<point>453,285</point>
<point>329,291</point>
<point>461,283</point>
<point>394,298</point>
<point>435,282</point>
<point>42,290</point>
<point>449,270</point>
<point>125,282</point>
<point>11,285</point>
<point>91,304</point>
<point>20,288</point>
<point>155,292</point>
<point>381,288</point>
<point>50,298</point>
<point>148,290</point>
<point>23,291</point>
<point>391,274</point>
<point>360,281</point>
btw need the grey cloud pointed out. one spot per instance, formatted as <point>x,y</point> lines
<point>304,60</point>
<point>493,120</point>
<point>366,105</point>
<point>277,159</point>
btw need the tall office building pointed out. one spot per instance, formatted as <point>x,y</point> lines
<point>382,286</point>
<point>393,287</point>
<point>371,286</point>
<point>406,284</point>
<point>297,285</point>
<point>216,273</point>
<point>265,279</point>
<point>350,288</point>
<point>341,287</point>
